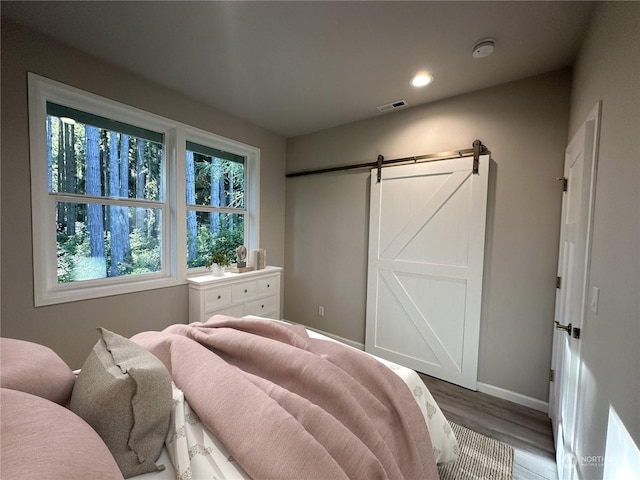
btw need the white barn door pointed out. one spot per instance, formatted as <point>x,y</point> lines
<point>426,253</point>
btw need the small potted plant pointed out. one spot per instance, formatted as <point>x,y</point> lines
<point>217,263</point>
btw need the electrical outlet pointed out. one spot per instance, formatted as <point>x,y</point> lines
<point>320,311</point>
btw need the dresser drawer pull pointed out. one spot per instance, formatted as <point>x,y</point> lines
<point>245,290</point>
<point>219,297</point>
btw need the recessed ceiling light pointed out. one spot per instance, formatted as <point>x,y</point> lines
<point>422,79</point>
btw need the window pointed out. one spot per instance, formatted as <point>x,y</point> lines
<point>215,193</point>
<point>105,183</point>
<point>221,193</point>
<point>105,180</point>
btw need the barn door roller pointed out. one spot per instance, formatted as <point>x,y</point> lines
<point>477,150</point>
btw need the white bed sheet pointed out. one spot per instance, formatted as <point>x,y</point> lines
<point>193,452</point>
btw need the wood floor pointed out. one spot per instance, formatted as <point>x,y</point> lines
<point>528,431</point>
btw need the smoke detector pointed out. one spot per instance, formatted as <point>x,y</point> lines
<point>483,48</point>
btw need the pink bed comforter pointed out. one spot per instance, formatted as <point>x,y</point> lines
<point>290,407</point>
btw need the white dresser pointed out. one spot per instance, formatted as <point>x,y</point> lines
<point>236,294</point>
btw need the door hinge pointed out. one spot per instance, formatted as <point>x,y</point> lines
<point>565,183</point>
<point>558,282</point>
<point>552,375</point>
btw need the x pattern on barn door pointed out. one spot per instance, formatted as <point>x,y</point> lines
<point>425,267</point>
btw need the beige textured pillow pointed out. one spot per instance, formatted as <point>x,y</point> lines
<point>36,369</point>
<point>124,393</point>
<point>41,439</point>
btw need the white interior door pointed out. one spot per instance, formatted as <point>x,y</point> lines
<point>571,296</point>
<point>426,253</point>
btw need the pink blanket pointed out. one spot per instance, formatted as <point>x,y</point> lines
<point>290,407</point>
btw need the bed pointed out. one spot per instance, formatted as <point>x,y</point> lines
<point>274,400</point>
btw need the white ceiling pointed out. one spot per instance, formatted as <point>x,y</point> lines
<point>299,67</point>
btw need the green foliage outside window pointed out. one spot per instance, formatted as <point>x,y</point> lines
<point>96,240</point>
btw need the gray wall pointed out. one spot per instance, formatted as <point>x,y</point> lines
<point>70,328</point>
<point>524,124</point>
<point>608,69</point>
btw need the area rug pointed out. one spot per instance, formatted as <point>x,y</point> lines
<point>481,458</point>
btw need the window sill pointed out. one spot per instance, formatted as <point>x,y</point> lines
<point>77,293</point>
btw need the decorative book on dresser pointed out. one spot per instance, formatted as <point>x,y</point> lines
<point>236,294</point>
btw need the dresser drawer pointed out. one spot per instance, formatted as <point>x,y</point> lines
<point>263,307</point>
<point>216,298</point>
<point>268,286</point>
<point>256,292</point>
<point>241,292</point>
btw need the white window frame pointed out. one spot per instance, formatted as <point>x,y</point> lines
<point>251,188</point>
<point>47,290</point>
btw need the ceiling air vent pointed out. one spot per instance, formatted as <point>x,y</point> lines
<point>393,105</point>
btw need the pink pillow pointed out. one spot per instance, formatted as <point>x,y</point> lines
<point>36,369</point>
<point>40,439</point>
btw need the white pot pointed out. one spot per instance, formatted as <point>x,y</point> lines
<point>217,270</point>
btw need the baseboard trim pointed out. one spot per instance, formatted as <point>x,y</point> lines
<point>513,397</point>
<point>358,345</point>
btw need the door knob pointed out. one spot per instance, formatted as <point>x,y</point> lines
<point>566,328</point>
